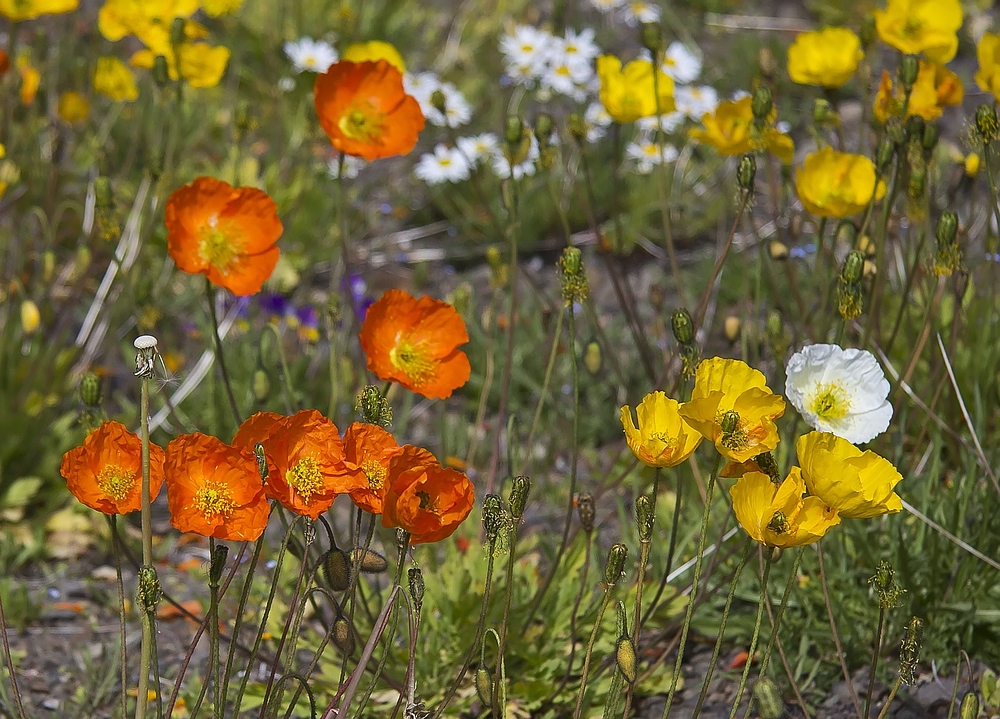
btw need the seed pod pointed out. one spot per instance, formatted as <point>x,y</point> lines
<point>493,523</point>
<point>947,228</point>
<point>644,517</point>
<point>416,582</point>
<point>625,658</point>
<point>615,565</point>
<point>585,510</point>
<point>148,592</point>
<point>908,70</point>
<point>969,709</point>
<point>217,565</point>
<point>368,561</point>
<point>746,172</point>
<point>258,451</point>
<point>909,651</point>
<point>484,686</point>
<point>336,564</point>
<point>343,637</point>
<point>573,276</point>
<point>768,698</point>
<point>762,103</point>
<point>683,326</point>
<point>90,390</point>
<point>520,488</point>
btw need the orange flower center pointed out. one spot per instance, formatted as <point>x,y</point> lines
<point>427,503</point>
<point>219,246</point>
<point>413,360</point>
<point>214,499</point>
<point>375,473</point>
<point>116,482</point>
<point>363,123</point>
<point>305,478</point>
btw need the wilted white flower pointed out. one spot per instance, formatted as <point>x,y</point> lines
<point>457,110</point>
<point>638,12</point>
<point>648,154</point>
<point>694,100</point>
<point>445,164</point>
<point>681,64</point>
<point>312,55</point>
<point>526,167</point>
<point>352,166</point>
<point>838,390</point>
<point>478,147</point>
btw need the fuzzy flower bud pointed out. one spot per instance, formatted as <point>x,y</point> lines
<point>987,124</point>
<point>343,637</point>
<point>847,232</point>
<point>416,581</point>
<point>161,73</point>
<point>261,385</point>
<point>513,132</point>
<point>769,702</point>
<point>585,510</point>
<point>373,407</point>
<point>969,709</point>
<point>746,172</point>
<point>592,357</point>
<point>909,651</point>
<point>484,686</point>
<point>615,565</point>
<point>762,104</point>
<point>853,267</point>
<point>652,38</point>
<point>519,490</point>
<point>644,517</point>
<point>543,127</point>
<point>336,565</point>
<point>148,592</point>
<point>947,228</point>
<point>884,585</point>
<point>908,70</point>
<point>368,561</point>
<point>625,658</point>
<point>218,563</point>
<point>573,276</point>
<point>439,102</point>
<point>90,390</point>
<point>682,326</point>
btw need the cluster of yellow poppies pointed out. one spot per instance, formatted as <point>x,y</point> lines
<point>732,407</point>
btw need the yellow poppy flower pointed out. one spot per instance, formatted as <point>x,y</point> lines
<point>629,94</point>
<point>73,107</point>
<point>148,20</point>
<point>113,78</point>
<point>30,79</point>
<point>732,406</point>
<point>373,51</point>
<point>201,65</point>
<point>837,184</point>
<point>827,57</point>
<point>778,515</point>
<point>663,438</point>
<point>730,130</point>
<point>858,484</point>
<point>936,87</point>
<point>18,10</point>
<point>988,54</point>
<point>921,26</point>
<point>217,8</point>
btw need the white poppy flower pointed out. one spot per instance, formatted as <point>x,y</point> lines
<point>839,391</point>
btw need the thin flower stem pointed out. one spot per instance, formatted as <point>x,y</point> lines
<point>888,701</point>
<point>556,337</point>
<point>835,633</point>
<point>123,634</point>
<point>671,548</point>
<point>219,356</point>
<point>590,649</point>
<point>508,592</point>
<point>148,637</point>
<point>240,612</point>
<point>9,661</point>
<point>213,634</point>
<point>719,262</point>
<point>573,618</point>
<point>574,460</point>
<point>722,629</point>
<point>875,655</point>
<point>663,190</point>
<point>286,376</point>
<point>696,578</point>
<point>756,632</point>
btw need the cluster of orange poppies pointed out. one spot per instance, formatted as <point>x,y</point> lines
<point>221,490</point>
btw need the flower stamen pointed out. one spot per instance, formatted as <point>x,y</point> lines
<point>305,478</point>
<point>214,499</point>
<point>116,482</point>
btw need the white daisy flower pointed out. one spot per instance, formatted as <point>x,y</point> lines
<point>648,154</point>
<point>669,122</point>
<point>524,168</point>
<point>457,110</point>
<point>352,167</point>
<point>638,12</point>
<point>564,76</point>
<point>839,391</point>
<point>527,47</point>
<point>580,45</point>
<point>694,100</point>
<point>310,55</point>
<point>681,64</point>
<point>478,147</point>
<point>607,5</point>
<point>445,164</point>
<point>420,87</point>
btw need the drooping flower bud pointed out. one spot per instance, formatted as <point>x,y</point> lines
<point>484,686</point>
<point>615,565</point>
<point>343,637</point>
<point>439,102</point>
<point>626,659</point>
<point>652,38</point>
<point>336,566</point>
<point>368,561</point>
<point>969,709</point>
<point>592,357</point>
<point>513,132</point>
<point>261,385</point>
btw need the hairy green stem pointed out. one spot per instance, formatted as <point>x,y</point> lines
<point>769,552</point>
<point>876,651</point>
<point>608,589</point>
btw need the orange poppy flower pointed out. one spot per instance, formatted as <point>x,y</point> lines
<point>223,232</point>
<point>214,490</point>
<point>415,342</point>
<point>305,458</point>
<point>365,111</point>
<point>370,448</point>
<point>427,500</point>
<point>105,472</point>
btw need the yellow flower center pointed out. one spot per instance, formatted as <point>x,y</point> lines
<point>413,360</point>
<point>445,161</point>
<point>830,401</point>
<point>375,473</point>
<point>363,123</point>
<point>116,482</point>
<point>219,246</point>
<point>214,499</point>
<point>305,478</point>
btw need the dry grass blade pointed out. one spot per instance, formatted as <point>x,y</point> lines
<point>944,532</point>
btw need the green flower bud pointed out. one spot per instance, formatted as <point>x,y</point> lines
<point>769,702</point>
<point>621,619</point>
<point>148,592</point>
<point>847,232</point>
<point>947,228</point>
<point>615,565</point>
<point>644,517</point>
<point>161,72</point>
<point>336,566</point>
<point>969,709</point>
<point>652,38</point>
<point>368,561</point>
<point>762,103</point>
<point>519,490</point>
<point>373,407</point>
<point>682,326</point>
<point>884,154</point>
<point>867,32</point>
<point>484,686</point>
<point>932,133</point>
<point>343,637</point>
<point>987,125</point>
<point>626,659</point>
<point>90,390</point>
<point>823,112</point>
<point>854,267</point>
<point>513,132</point>
<point>416,582</point>
<point>439,102</point>
<point>177,31</point>
<point>746,172</point>
<point>774,326</point>
<point>908,70</point>
<point>102,191</point>
<point>543,127</point>
<point>585,510</point>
